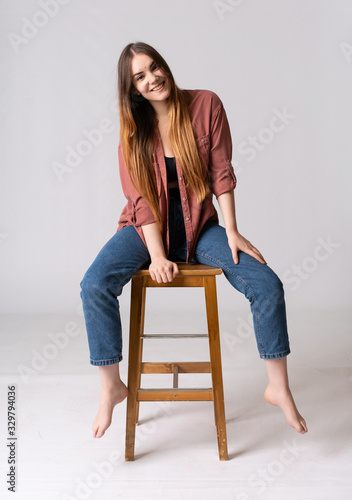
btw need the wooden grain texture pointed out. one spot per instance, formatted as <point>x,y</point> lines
<point>133,365</point>
<point>183,367</point>
<point>175,394</point>
<point>190,269</point>
<point>215,360</point>
<point>141,330</point>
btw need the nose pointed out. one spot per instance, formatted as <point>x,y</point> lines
<point>153,79</point>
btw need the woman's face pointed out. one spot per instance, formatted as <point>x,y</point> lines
<point>148,79</point>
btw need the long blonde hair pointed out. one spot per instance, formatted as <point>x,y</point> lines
<point>137,119</point>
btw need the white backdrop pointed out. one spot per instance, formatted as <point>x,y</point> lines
<point>283,70</point>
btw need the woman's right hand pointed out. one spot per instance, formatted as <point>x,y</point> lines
<point>163,270</point>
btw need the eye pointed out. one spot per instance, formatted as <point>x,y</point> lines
<point>155,67</point>
<point>139,77</point>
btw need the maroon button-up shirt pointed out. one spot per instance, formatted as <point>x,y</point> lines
<point>213,138</point>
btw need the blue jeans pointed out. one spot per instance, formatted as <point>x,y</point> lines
<point>125,253</point>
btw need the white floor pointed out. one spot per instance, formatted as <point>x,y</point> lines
<point>176,450</point>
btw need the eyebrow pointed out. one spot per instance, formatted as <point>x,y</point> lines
<point>150,65</point>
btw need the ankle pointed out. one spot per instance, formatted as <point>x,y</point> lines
<point>107,389</point>
<point>284,386</point>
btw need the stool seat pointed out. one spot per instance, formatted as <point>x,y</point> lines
<point>190,275</point>
<point>189,269</point>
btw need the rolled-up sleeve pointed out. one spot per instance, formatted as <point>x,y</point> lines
<point>137,211</point>
<point>221,171</point>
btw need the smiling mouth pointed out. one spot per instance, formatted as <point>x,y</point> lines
<point>158,88</point>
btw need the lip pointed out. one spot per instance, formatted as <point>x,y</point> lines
<point>162,88</point>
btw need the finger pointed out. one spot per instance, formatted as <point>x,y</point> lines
<point>260,255</point>
<point>162,277</point>
<point>159,278</point>
<point>167,273</point>
<point>175,270</point>
<point>158,275</point>
<point>257,255</point>
<point>235,257</point>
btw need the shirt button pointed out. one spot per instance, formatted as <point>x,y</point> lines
<point>180,178</point>
<point>203,140</point>
<point>184,199</point>
<point>187,218</point>
<point>190,239</point>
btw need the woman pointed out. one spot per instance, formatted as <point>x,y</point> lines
<point>174,155</point>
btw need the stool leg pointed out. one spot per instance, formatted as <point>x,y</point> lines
<point>215,360</point>
<point>141,330</point>
<point>133,365</point>
<point>175,377</point>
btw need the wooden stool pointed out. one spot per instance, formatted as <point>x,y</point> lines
<point>190,275</point>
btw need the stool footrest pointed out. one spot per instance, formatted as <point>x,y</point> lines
<point>175,395</point>
<point>174,335</point>
<point>183,367</point>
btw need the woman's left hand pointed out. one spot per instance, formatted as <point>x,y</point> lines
<point>238,242</point>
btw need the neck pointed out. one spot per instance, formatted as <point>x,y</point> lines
<point>161,108</point>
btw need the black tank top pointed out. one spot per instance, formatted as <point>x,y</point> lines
<point>171,169</point>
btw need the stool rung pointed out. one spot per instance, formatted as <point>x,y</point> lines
<point>183,367</point>
<point>173,335</point>
<point>175,395</point>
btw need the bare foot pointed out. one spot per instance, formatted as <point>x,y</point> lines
<point>108,400</point>
<point>282,397</point>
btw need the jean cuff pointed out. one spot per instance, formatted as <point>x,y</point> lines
<point>104,362</point>
<point>275,356</point>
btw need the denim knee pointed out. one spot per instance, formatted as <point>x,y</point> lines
<point>94,282</point>
<point>89,285</point>
<point>274,289</point>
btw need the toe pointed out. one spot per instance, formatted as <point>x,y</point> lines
<point>99,432</point>
<point>303,424</point>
